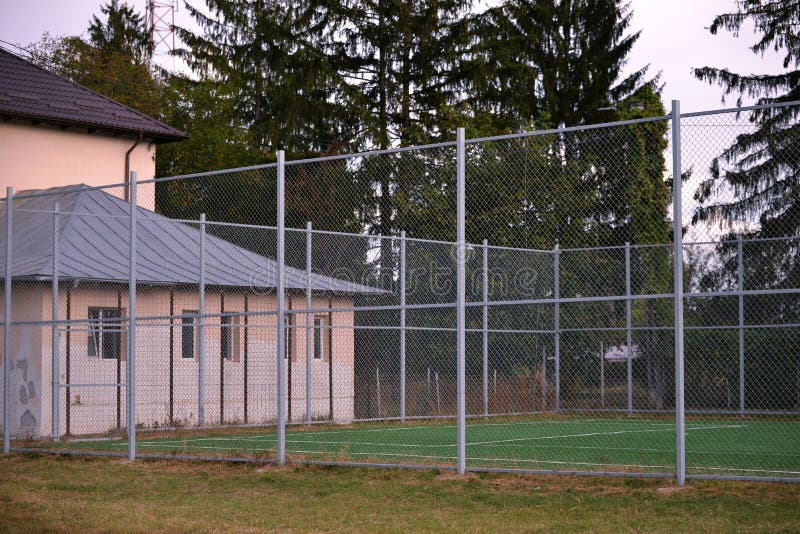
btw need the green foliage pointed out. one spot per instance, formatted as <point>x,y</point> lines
<point>288,93</point>
<point>123,32</point>
<point>553,62</point>
<point>108,71</point>
<point>762,167</point>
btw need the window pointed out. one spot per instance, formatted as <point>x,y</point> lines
<point>188,326</point>
<point>287,329</point>
<point>229,338</point>
<point>105,333</point>
<point>226,343</point>
<point>318,338</point>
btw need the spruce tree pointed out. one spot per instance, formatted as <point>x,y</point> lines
<point>763,167</point>
<point>554,62</point>
<point>289,93</point>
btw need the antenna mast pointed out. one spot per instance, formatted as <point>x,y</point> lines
<point>160,18</point>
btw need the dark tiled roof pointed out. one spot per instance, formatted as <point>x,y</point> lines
<point>93,245</point>
<point>31,92</point>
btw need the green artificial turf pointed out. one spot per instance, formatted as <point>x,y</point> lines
<point>735,446</point>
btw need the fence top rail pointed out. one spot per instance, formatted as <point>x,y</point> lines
<point>301,161</point>
<point>208,173</point>
<point>745,241</point>
<point>396,150</point>
<point>567,129</point>
<point>740,109</point>
<point>368,153</point>
<point>515,249</point>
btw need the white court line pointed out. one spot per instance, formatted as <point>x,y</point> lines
<point>377,444</point>
<point>590,434</point>
<point>652,422</point>
<point>670,451</point>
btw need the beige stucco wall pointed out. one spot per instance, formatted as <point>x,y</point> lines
<point>39,157</point>
<point>25,366</point>
<point>94,409</point>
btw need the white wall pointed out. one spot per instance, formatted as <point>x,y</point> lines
<point>39,157</point>
<point>93,408</point>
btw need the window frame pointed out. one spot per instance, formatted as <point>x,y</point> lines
<point>105,333</point>
<point>229,342</point>
<point>189,323</point>
<point>319,324</point>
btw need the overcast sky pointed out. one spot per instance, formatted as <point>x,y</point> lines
<point>673,39</point>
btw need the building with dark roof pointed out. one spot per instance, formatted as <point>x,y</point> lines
<point>85,242</point>
<point>55,132</point>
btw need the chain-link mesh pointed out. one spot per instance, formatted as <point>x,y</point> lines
<point>742,372</point>
<point>569,316</point>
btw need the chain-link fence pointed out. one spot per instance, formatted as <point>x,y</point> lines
<point>496,304</point>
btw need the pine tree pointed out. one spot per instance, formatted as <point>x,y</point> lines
<point>401,58</point>
<point>289,93</point>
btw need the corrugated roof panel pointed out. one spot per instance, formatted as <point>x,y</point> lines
<point>93,245</point>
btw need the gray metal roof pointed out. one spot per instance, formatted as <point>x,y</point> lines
<point>93,245</point>
<point>30,92</point>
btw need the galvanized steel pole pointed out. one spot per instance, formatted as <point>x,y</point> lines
<point>131,362</point>
<point>677,240</point>
<point>54,378</point>
<point>740,284</point>
<point>281,319</point>
<point>460,299</point>
<point>201,311</point>
<point>402,325</point>
<point>485,328</point>
<point>7,322</point>
<point>557,325</point>
<point>628,325</point>
<point>309,320</point>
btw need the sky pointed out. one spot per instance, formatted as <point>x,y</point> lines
<point>674,39</point>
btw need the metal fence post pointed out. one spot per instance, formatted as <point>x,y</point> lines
<point>7,321</point>
<point>281,319</point>
<point>557,325</point>
<point>460,299</point>
<point>403,325</point>
<point>131,364</point>
<point>628,328</point>
<point>201,312</point>
<point>740,285</point>
<point>309,320</point>
<point>54,408</point>
<point>677,241</point>
<point>485,328</point>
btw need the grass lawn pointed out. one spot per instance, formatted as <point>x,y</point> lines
<point>70,493</point>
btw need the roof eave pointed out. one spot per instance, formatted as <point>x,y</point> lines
<point>157,137</point>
